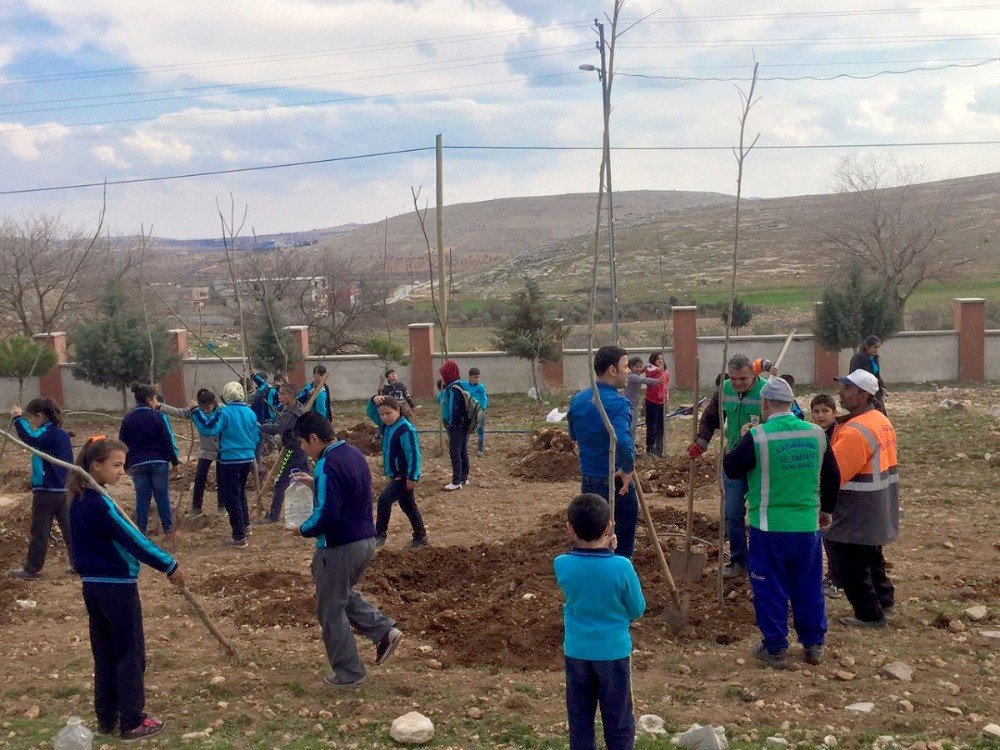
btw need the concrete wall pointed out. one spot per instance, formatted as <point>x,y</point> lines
<point>993,355</point>
<point>918,356</point>
<point>8,393</point>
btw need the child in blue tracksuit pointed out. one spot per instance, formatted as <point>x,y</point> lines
<point>477,389</point>
<point>456,423</point>
<point>208,451</point>
<point>239,434</point>
<point>151,450</point>
<point>603,599</point>
<point>40,427</point>
<point>322,403</point>
<point>107,550</point>
<point>266,399</point>
<point>401,463</point>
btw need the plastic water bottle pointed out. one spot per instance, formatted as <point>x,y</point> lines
<point>74,736</point>
<point>298,504</point>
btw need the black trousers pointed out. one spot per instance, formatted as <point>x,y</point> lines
<point>201,479</point>
<point>119,648</point>
<point>233,494</point>
<point>396,492</point>
<point>654,428</point>
<point>291,459</point>
<point>864,580</point>
<point>832,568</point>
<point>46,507</point>
<point>458,451</point>
<point>604,683</point>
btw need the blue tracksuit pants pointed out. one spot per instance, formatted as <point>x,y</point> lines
<point>607,684</point>
<point>787,567</point>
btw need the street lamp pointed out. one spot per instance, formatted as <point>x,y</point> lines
<point>606,101</point>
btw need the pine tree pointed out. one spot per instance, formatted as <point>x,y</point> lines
<point>22,358</point>
<point>271,348</point>
<point>529,330</point>
<point>742,314</point>
<point>114,350</point>
<point>856,309</point>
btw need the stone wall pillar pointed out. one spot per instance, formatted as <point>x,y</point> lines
<point>172,384</point>
<point>685,324</point>
<point>50,384</point>
<point>969,315</point>
<point>826,365</point>
<point>300,343</point>
<point>552,372</point>
<point>421,359</point>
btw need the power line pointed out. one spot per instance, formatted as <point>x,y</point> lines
<point>214,90</point>
<point>798,41</point>
<point>659,20</point>
<point>399,152</point>
<point>835,77</point>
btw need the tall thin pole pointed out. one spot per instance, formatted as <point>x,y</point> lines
<point>606,100</point>
<point>442,271</point>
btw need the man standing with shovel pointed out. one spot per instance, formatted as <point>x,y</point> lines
<point>789,467</point>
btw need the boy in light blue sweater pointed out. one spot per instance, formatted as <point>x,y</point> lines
<point>603,599</point>
<point>477,389</point>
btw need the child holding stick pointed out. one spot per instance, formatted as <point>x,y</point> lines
<point>40,426</point>
<point>322,403</point>
<point>401,463</point>
<point>603,599</point>
<point>239,434</point>
<point>107,551</point>
<point>151,450</point>
<point>291,459</point>
<point>208,450</point>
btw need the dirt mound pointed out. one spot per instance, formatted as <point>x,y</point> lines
<point>361,436</point>
<point>491,604</point>
<point>552,458</point>
<point>670,476</point>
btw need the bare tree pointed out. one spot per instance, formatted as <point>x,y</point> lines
<point>340,307</point>
<point>45,267</point>
<point>435,297</point>
<point>888,228</point>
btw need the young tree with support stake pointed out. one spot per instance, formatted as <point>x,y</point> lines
<point>22,358</point>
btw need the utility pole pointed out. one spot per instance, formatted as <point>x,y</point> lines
<point>606,98</point>
<point>442,271</point>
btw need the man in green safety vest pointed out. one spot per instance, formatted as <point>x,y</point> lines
<point>789,468</point>
<point>740,407</point>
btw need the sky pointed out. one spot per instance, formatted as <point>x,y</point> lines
<point>99,90</point>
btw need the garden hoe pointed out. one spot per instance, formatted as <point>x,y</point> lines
<point>676,612</point>
<point>686,564</point>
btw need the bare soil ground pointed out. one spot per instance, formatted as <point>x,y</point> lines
<point>482,613</point>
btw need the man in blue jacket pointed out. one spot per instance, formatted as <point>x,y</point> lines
<point>344,531</point>
<point>587,429</point>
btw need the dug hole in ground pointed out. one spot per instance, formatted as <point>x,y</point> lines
<point>482,614</point>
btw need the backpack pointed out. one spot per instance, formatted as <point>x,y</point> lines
<point>472,409</point>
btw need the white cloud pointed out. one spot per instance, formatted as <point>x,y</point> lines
<point>31,145</point>
<point>105,154</point>
<point>158,149</point>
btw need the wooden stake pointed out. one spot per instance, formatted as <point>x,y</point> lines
<point>692,467</point>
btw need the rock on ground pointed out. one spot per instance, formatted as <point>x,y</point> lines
<point>977,612</point>
<point>651,724</point>
<point>992,730</point>
<point>412,729</point>
<point>861,708</point>
<point>703,738</point>
<point>898,670</point>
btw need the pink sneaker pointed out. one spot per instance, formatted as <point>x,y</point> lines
<point>147,728</point>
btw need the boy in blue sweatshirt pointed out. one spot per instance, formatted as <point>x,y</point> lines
<point>401,463</point>
<point>322,403</point>
<point>151,451</point>
<point>603,599</point>
<point>342,526</point>
<point>477,389</point>
<point>587,429</point>
<point>107,550</point>
<point>239,435</point>
<point>40,427</point>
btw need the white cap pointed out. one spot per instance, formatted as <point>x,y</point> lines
<point>862,379</point>
<point>777,389</point>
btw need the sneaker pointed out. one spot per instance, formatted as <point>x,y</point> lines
<point>238,543</point>
<point>221,511</point>
<point>194,513</point>
<point>380,541</point>
<point>734,570</point>
<point>171,535</point>
<point>23,575</point>
<point>890,610</point>
<point>451,487</point>
<point>108,730</point>
<point>479,454</point>
<point>778,660</point>
<point>147,728</point>
<point>387,646</point>
<point>418,541</point>
<point>832,590</point>
<point>854,622</point>
<point>334,681</point>
<point>813,654</point>
<point>265,520</point>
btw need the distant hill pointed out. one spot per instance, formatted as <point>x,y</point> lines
<point>260,242</point>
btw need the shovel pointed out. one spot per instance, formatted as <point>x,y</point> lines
<point>676,613</point>
<point>686,564</point>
